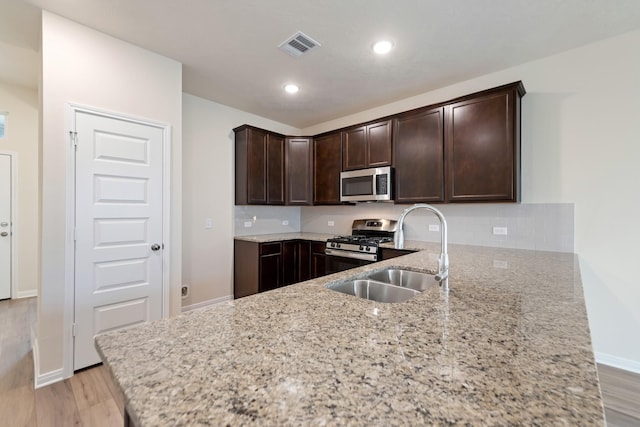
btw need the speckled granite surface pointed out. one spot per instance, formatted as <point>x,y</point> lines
<point>508,345</point>
<point>264,238</point>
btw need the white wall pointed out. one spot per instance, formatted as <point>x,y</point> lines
<point>208,192</point>
<point>580,133</point>
<point>22,138</point>
<point>84,66</point>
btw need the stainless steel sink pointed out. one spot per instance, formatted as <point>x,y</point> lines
<point>405,278</point>
<point>373,290</point>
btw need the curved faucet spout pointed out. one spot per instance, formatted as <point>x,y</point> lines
<point>443,261</point>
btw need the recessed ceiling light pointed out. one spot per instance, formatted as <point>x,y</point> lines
<point>382,47</point>
<point>291,88</point>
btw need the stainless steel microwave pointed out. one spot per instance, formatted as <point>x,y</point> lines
<point>366,185</point>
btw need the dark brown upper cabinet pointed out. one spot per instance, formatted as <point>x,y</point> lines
<point>418,147</point>
<point>482,140</point>
<point>298,168</point>
<point>327,165</point>
<point>367,146</point>
<point>259,167</point>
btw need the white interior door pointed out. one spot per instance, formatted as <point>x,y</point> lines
<point>5,226</point>
<point>118,228</point>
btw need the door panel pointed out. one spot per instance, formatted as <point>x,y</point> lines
<point>5,226</point>
<point>118,277</point>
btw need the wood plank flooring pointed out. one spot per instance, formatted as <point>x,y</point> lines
<point>90,399</point>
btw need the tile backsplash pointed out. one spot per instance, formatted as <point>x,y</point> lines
<point>266,219</point>
<point>539,226</point>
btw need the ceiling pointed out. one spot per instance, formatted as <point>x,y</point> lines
<point>229,48</point>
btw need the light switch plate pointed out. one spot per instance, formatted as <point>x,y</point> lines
<point>434,227</point>
<point>331,223</point>
<point>285,222</point>
<point>248,224</point>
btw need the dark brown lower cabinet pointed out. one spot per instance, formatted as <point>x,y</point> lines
<point>318,259</point>
<point>296,256</point>
<point>270,266</point>
<point>246,274</point>
<point>260,267</point>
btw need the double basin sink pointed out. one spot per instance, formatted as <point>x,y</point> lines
<point>388,285</point>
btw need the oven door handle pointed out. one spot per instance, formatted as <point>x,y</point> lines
<point>356,255</point>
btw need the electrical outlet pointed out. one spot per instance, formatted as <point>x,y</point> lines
<point>185,291</point>
<point>248,224</point>
<point>331,223</point>
<point>285,222</point>
<point>434,227</point>
<point>502,231</point>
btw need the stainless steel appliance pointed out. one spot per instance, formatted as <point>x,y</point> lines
<point>361,247</point>
<point>366,185</point>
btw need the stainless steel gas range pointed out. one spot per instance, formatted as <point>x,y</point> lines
<point>361,247</point>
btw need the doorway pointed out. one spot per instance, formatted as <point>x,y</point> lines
<point>119,227</point>
<point>7,242</point>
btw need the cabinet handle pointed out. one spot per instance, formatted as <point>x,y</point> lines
<point>4,234</point>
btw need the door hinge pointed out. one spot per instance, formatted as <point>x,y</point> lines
<point>73,330</point>
<point>74,139</point>
<point>75,234</point>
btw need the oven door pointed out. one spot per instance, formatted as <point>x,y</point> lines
<point>336,262</point>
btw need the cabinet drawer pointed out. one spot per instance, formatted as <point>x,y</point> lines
<point>270,248</point>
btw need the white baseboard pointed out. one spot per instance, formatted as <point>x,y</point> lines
<point>207,303</point>
<point>47,378</point>
<point>618,362</point>
<point>27,294</point>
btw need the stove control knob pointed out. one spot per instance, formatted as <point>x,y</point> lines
<point>361,247</point>
<point>368,248</point>
<point>338,245</point>
<point>333,244</point>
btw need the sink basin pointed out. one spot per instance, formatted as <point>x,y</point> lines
<point>405,278</point>
<point>373,290</point>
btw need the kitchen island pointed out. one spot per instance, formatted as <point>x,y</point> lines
<point>509,344</point>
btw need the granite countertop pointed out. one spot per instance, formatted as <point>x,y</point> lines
<point>509,344</point>
<point>265,238</point>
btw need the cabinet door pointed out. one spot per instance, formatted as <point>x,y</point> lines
<point>296,259</point>
<point>367,146</point>
<point>318,259</point>
<point>379,144</point>
<point>304,261</point>
<point>482,143</point>
<point>354,149</point>
<point>327,165</point>
<point>275,170</point>
<point>418,144</point>
<point>289,262</point>
<point>246,276</point>
<point>298,171</point>
<point>256,167</point>
<point>270,266</point>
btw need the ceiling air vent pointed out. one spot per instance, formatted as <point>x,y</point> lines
<point>298,44</point>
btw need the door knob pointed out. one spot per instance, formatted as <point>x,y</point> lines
<point>4,234</point>
<point>155,247</point>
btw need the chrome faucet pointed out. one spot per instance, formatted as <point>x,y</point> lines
<point>443,261</point>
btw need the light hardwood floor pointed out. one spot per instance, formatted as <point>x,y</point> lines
<point>90,398</point>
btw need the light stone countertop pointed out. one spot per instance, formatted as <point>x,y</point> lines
<point>266,238</point>
<point>508,345</point>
